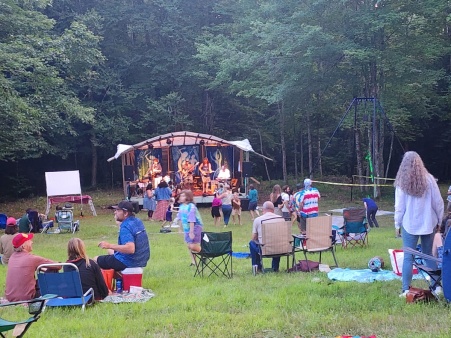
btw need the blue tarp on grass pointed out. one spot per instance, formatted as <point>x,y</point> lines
<point>363,276</point>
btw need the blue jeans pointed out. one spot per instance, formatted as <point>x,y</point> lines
<point>255,250</point>
<point>226,212</point>
<point>411,241</point>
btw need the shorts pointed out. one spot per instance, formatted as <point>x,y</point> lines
<point>169,216</point>
<point>236,211</point>
<point>197,233</point>
<point>215,212</point>
<point>252,206</point>
<point>286,215</point>
<point>107,262</point>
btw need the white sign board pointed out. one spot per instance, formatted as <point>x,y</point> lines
<point>63,183</point>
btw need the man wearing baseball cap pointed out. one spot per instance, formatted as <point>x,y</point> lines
<point>6,245</point>
<point>20,280</point>
<point>133,249</point>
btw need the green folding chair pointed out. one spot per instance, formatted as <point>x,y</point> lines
<point>35,307</point>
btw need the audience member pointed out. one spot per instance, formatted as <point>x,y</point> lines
<point>371,210</point>
<point>6,244</point>
<point>20,277</point>
<point>90,274</point>
<point>191,223</point>
<point>254,247</point>
<point>236,208</point>
<point>215,213</point>
<point>24,223</point>
<point>285,197</point>
<point>307,203</point>
<point>226,199</point>
<point>418,209</point>
<point>162,195</point>
<point>133,248</point>
<point>253,200</point>
<point>149,202</point>
<point>276,199</point>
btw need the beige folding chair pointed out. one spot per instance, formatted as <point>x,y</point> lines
<point>319,237</point>
<point>276,239</point>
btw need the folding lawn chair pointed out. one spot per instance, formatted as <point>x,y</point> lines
<point>3,219</point>
<point>35,307</point>
<point>277,240</point>
<point>65,220</point>
<point>66,285</point>
<point>355,228</point>
<point>432,276</point>
<point>319,237</point>
<point>215,256</point>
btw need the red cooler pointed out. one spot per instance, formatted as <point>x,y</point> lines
<point>132,277</point>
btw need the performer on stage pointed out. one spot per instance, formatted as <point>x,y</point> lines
<point>154,172</point>
<point>224,174</point>
<point>205,171</point>
<point>187,174</point>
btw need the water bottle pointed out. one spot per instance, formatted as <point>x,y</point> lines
<point>118,285</point>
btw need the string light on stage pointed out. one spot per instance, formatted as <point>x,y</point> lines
<point>150,146</point>
<point>168,141</point>
<point>202,142</point>
<point>218,145</point>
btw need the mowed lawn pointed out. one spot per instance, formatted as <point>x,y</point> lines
<point>268,305</point>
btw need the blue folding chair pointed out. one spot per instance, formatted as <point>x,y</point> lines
<point>66,285</point>
<point>3,219</point>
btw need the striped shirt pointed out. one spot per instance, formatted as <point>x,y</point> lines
<point>307,202</point>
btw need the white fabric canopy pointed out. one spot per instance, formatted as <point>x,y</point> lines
<point>183,138</point>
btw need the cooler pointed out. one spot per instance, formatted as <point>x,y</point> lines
<point>132,277</point>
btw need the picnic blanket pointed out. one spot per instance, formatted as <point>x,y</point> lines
<point>127,297</point>
<point>241,254</point>
<point>363,276</point>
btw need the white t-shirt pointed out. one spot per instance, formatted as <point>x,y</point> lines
<point>257,225</point>
<point>285,200</point>
<point>224,174</point>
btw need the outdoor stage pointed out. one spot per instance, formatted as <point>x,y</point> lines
<point>200,200</point>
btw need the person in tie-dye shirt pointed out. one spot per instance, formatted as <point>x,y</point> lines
<point>307,203</point>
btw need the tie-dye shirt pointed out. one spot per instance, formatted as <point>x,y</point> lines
<point>310,198</point>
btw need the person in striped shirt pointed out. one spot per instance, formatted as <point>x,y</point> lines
<point>307,203</point>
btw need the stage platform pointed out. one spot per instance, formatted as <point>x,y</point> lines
<point>200,200</point>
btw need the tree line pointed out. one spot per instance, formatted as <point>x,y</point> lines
<point>79,77</point>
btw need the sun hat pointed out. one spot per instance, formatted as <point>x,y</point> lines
<point>11,221</point>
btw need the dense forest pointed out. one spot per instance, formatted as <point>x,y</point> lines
<point>79,77</point>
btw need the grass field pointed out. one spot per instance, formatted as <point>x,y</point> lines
<point>268,305</point>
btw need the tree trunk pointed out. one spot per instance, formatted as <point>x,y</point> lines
<point>310,147</point>
<point>94,162</point>
<point>320,165</point>
<point>296,174</point>
<point>264,160</point>
<point>389,155</point>
<point>302,154</point>
<point>359,157</point>
<point>280,107</point>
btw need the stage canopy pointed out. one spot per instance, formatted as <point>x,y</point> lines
<point>183,138</point>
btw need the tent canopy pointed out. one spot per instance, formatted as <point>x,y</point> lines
<point>183,138</point>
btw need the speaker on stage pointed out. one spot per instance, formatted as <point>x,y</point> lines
<point>128,173</point>
<point>247,169</point>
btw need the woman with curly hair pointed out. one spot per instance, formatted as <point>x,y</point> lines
<point>418,209</point>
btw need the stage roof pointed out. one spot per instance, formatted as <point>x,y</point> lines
<point>183,138</point>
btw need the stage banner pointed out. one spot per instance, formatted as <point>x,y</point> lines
<point>220,156</point>
<point>180,154</point>
<point>144,158</point>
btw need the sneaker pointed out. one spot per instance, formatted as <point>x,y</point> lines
<point>438,290</point>
<point>403,294</point>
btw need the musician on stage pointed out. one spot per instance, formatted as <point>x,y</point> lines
<point>205,171</point>
<point>224,174</point>
<point>187,174</point>
<point>154,172</point>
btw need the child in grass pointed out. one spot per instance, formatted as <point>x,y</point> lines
<point>191,222</point>
<point>215,206</point>
<point>168,219</point>
<point>236,208</point>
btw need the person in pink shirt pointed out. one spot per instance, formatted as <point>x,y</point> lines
<point>20,280</point>
<point>215,206</point>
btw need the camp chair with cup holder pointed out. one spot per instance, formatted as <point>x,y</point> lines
<point>318,238</point>
<point>355,228</point>
<point>215,256</point>
<point>433,276</point>
<point>65,220</point>
<point>65,284</point>
<point>276,240</point>
<point>20,327</point>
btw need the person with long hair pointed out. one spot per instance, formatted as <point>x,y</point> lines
<point>90,274</point>
<point>162,195</point>
<point>226,199</point>
<point>149,202</point>
<point>6,241</point>
<point>276,198</point>
<point>191,222</point>
<point>418,209</point>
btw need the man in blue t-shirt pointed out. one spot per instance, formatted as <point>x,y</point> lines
<point>371,210</point>
<point>133,249</point>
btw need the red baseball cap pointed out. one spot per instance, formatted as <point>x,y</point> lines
<point>21,238</point>
<point>11,221</point>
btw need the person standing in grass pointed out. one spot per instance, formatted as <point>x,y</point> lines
<point>215,206</point>
<point>226,199</point>
<point>236,208</point>
<point>307,203</point>
<point>191,222</point>
<point>371,210</point>
<point>90,274</point>
<point>149,202</point>
<point>418,209</point>
<point>253,200</point>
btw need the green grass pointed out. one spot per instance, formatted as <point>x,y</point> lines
<point>269,305</point>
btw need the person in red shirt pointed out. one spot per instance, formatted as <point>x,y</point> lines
<point>20,279</point>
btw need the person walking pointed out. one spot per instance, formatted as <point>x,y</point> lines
<point>418,209</point>
<point>253,200</point>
